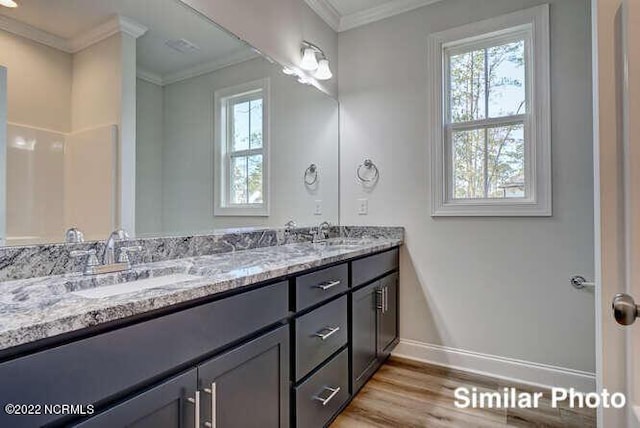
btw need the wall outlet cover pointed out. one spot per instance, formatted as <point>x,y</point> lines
<point>363,206</point>
<point>318,208</point>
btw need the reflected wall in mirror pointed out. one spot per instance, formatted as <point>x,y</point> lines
<point>146,115</point>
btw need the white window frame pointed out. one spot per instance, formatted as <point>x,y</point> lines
<point>222,165</point>
<point>533,25</point>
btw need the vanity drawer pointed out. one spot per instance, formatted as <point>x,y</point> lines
<point>318,286</point>
<point>319,334</point>
<point>372,267</point>
<point>321,396</point>
<point>100,367</point>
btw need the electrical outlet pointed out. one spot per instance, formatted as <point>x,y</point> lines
<point>318,208</point>
<point>363,206</point>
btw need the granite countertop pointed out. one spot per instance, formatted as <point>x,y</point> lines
<point>41,308</point>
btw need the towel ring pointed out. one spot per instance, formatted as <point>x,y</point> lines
<point>368,164</point>
<point>311,175</point>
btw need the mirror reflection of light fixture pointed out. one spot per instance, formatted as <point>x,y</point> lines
<point>8,3</point>
<point>310,62</point>
<point>323,72</point>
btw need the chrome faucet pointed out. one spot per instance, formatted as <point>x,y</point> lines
<point>109,256</point>
<point>321,232</point>
<point>109,262</point>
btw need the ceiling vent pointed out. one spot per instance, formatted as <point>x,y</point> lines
<point>182,45</point>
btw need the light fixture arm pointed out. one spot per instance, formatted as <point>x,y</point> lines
<point>316,49</point>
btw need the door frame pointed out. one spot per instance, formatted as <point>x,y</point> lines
<point>611,203</point>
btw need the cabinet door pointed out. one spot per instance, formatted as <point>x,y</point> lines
<point>388,315</point>
<point>363,310</point>
<point>169,405</point>
<point>248,387</point>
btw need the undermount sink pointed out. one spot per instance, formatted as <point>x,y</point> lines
<point>340,244</point>
<point>134,286</point>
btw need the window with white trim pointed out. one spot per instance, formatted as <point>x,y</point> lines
<point>242,143</point>
<point>491,126</point>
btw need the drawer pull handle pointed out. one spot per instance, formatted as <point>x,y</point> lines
<point>324,286</point>
<point>196,412</point>
<point>325,401</point>
<point>330,332</point>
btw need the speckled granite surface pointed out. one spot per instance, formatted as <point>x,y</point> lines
<point>39,308</point>
<point>54,259</point>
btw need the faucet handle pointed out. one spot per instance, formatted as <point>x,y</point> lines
<point>92,259</point>
<point>123,255</point>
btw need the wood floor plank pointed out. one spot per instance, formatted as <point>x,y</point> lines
<point>405,393</point>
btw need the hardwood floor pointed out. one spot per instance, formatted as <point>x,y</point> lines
<point>408,394</point>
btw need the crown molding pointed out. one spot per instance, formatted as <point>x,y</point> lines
<point>327,12</point>
<point>340,23</point>
<point>149,76</point>
<point>32,33</point>
<point>381,12</point>
<point>198,70</point>
<point>114,25</point>
<point>72,45</point>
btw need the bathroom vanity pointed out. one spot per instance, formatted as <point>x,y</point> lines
<point>246,346</point>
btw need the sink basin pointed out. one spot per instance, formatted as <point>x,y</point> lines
<point>340,244</point>
<point>134,286</point>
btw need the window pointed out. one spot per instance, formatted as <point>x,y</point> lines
<point>491,118</point>
<point>242,142</point>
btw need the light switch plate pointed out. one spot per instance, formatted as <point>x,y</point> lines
<point>318,208</point>
<point>363,206</point>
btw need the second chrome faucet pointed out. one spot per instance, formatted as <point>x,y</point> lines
<point>110,263</point>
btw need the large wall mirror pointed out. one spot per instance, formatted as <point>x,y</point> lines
<point>146,115</point>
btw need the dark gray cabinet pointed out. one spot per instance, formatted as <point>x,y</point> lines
<point>387,315</point>
<point>363,342</point>
<point>374,327</point>
<point>168,405</point>
<point>247,387</point>
<point>216,393</point>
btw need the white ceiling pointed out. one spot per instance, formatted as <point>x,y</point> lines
<point>165,20</point>
<point>342,15</point>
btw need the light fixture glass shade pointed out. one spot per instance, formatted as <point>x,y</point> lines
<point>309,60</point>
<point>323,72</point>
<point>8,3</point>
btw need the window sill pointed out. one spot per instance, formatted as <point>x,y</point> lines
<point>241,212</point>
<point>492,209</point>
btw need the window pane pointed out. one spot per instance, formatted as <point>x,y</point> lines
<point>240,126</point>
<point>256,124</point>
<point>255,179</point>
<point>507,86</point>
<point>467,96</point>
<point>239,190</point>
<point>505,162</point>
<point>468,164</point>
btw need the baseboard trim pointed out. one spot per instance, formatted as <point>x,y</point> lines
<point>509,369</point>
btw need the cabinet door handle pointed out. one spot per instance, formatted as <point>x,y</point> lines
<point>212,391</point>
<point>196,402</point>
<point>325,401</point>
<point>324,286</point>
<point>386,299</point>
<point>380,299</point>
<point>330,332</point>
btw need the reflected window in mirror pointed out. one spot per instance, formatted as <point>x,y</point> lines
<point>242,144</point>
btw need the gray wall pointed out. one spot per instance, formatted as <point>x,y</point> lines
<point>149,141</point>
<point>496,285</point>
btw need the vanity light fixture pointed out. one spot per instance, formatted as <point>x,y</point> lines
<point>323,72</point>
<point>310,62</point>
<point>9,3</point>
